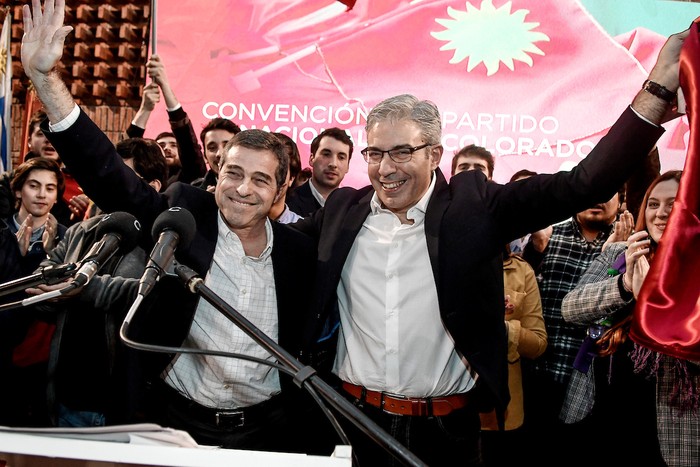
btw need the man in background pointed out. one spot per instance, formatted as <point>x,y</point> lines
<point>330,157</point>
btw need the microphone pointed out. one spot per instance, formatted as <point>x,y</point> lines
<point>172,227</point>
<point>45,275</point>
<point>120,232</point>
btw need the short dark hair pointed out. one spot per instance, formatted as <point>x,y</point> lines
<point>218,123</point>
<point>35,120</point>
<point>164,134</point>
<point>260,140</point>
<point>335,133</point>
<point>21,174</point>
<point>149,162</point>
<point>478,151</point>
<point>293,153</point>
<point>522,173</point>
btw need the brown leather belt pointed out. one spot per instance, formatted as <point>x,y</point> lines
<point>400,405</point>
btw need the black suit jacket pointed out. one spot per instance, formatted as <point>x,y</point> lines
<point>168,310</point>
<point>467,223</point>
<point>302,201</point>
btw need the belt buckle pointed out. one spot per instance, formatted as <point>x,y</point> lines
<point>394,396</point>
<point>230,419</point>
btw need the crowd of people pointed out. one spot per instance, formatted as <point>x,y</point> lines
<point>476,323</point>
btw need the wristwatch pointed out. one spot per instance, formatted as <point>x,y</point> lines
<point>659,91</point>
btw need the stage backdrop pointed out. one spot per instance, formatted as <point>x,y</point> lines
<point>537,82</point>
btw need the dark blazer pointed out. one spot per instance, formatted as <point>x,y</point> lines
<point>467,223</point>
<point>169,308</point>
<point>302,201</point>
<point>204,182</point>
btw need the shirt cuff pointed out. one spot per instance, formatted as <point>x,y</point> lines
<point>67,122</point>
<point>643,117</point>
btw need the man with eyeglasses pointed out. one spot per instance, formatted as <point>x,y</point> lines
<point>410,272</point>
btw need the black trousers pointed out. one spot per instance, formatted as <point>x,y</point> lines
<point>437,441</point>
<point>268,426</point>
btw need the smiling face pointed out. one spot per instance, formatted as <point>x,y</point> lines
<point>38,194</point>
<point>400,186</point>
<point>170,150</point>
<point>247,187</point>
<point>659,206</point>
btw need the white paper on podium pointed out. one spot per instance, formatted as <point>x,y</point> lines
<point>141,433</point>
<point>139,445</point>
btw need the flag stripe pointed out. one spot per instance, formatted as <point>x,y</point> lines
<point>6,96</point>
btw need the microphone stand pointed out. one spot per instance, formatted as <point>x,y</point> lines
<point>302,374</point>
<point>47,275</point>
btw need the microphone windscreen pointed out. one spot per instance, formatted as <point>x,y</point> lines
<point>179,220</point>
<point>124,224</point>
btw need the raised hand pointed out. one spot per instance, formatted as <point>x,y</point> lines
<point>666,73</point>
<point>151,97</point>
<point>156,70</point>
<point>622,230</point>
<point>78,204</point>
<point>48,239</point>
<point>44,37</point>
<point>636,262</point>
<point>24,234</point>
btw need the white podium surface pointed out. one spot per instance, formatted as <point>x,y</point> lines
<point>37,450</point>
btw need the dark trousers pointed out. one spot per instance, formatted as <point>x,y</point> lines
<point>267,426</point>
<point>502,448</point>
<point>437,441</point>
<point>23,400</point>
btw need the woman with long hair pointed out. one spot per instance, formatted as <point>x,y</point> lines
<point>604,388</point>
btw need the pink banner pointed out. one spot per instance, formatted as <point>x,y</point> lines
<point>537,82</point>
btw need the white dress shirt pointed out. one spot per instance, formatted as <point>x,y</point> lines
<point>392,337</point>
<point>247,284</point>
<point>317,194</point>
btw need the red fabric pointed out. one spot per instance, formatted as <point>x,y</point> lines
<point>667,314</point>
<point>348,3</point>
<point>72,187</point>
<point>35,346</point>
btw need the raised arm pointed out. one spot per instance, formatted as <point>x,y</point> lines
<point>191,157</point>
<point>42,48</point>
<point>84,148</point>
<point>149,99</point>
<point>664,80</point>
<point>604,170</point>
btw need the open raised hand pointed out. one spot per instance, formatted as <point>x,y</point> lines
<point>44,36</point>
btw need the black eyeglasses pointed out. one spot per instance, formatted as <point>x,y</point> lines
<point>398,155</point>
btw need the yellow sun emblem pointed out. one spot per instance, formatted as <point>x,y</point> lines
<point>490,35</point>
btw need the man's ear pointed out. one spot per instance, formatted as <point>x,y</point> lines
<point>278,195</point>
<point>436,155</point>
